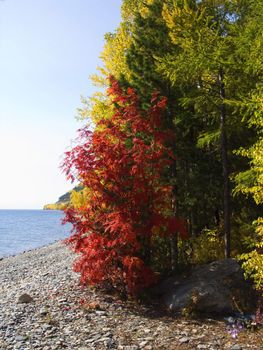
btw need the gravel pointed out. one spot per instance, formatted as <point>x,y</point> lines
<point>42,306</point>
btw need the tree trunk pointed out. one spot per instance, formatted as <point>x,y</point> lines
<point>174,251</point>
<point>174,238</point>
<point>224,164</point>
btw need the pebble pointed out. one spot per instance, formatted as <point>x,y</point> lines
<point>52,315</point>
<point>20,338</point>
<point>236,347</point>
<point>184,340</point>
<point>25,299</point>
<point>143,344</point>
<point>100,313</point>
<point>43,311</point>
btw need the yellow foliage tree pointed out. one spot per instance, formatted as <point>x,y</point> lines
<point>78,199</point>
<point>251,183</point>
<point>114,62</point>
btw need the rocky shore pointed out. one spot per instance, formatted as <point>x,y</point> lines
<point>43,307</point>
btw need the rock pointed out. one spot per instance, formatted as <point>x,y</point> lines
<point>100,313</point>
<point>184,340</point>
<point>236,347</point>
<point>108,335</point>
<point>25,299</point>
<point>215,288</point>
<point>62,300</point>
<point>20,338</point>
<point>143,343</point>
<point>43,311</point>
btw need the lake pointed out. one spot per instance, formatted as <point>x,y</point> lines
<point>22,230</point>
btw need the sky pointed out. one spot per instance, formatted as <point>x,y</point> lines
<point>48,50</point>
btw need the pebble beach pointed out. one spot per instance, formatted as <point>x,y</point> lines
<point>42,306</point>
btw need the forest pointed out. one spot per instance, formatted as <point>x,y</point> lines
<point>171,157</point>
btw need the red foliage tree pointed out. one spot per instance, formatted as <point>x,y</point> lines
<point>124,163</point>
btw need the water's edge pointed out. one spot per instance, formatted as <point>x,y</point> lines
<point>2,258</point>
<point>25,230</point>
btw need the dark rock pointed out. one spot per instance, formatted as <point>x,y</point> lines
<point>25,299</point>
<point>215,288</point>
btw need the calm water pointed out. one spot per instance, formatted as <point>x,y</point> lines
<point>22,230</point>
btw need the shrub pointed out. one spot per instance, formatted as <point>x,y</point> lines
<point>125,164</point>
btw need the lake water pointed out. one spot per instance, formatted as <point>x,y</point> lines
<point>22,230</point>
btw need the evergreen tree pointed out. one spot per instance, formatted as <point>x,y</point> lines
<point>150,43</point>
<point>206,35</point>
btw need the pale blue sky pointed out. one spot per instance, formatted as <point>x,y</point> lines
<point>48,50</point>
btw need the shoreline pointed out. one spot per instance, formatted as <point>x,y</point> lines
<point>31,249</point>
<point>63,315</point>
<point>24,230</point>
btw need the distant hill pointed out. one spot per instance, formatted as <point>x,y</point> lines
<point>63,200</point>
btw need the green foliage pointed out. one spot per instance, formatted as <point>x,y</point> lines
<point>149,37</point>
<point>207,247</point>
<point>250,182</point>
<point>253,261</point>
<point>151,43</point>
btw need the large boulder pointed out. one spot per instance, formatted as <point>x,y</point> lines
<point>215,288</point>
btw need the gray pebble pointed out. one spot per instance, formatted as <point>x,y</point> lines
<point>143,344</point>
<point>236,347</point>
